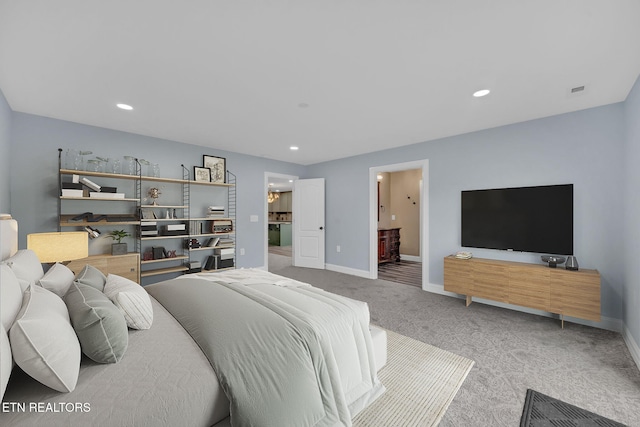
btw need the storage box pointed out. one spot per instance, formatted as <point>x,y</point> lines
<point>225,253</point>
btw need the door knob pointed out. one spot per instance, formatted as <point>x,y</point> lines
<point>321,228</point>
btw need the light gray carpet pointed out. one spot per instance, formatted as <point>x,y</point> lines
<point>513,351</point>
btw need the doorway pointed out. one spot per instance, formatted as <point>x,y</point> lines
<point>278,232</point>
<point>416,240</point>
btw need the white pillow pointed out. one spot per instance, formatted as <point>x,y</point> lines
<point>43,342</point>
<point>26,266</point>
<point>6,362</point>
<point>132,300</point>
<point>57,279</point>
<point>10,296</point>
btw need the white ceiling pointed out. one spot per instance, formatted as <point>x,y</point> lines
<point>336,78</point>
<point>280,184</point>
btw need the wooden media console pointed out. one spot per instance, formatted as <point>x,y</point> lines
<point>556,290</point>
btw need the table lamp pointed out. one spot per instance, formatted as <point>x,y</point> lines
<point>59,247</point>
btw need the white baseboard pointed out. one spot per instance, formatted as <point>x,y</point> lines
<point>632,345</point>
<point>607,323</point>
<point>410,258</point>
<point>438,289</point>
<point>347,270</point>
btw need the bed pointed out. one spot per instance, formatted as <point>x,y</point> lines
<point>243,347</point>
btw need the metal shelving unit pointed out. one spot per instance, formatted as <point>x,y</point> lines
<point>186,182</point>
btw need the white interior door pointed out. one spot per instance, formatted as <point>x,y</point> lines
<point>308,223</point>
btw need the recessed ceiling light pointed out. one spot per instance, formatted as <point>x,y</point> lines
<point>124,106</point>
<point>303,105</point>
<point>293,148</point>
<point>290,180</point>
<point>481,93</point>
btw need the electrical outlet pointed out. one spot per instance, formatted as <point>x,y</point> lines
<point>338,248</point>
<point>241,251</point>
<point>393,217</point>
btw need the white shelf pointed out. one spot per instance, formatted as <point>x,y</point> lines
<point>158,271</point>
<point>151,261</point>
<point>205,248</point>
<point>182,236</point>
<point>93,199</point>
<point>164,206</point>
<point>212,219</point>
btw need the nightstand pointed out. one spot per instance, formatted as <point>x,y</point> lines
<point>127,265</point>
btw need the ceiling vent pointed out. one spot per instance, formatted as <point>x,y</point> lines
<point>577,91</point>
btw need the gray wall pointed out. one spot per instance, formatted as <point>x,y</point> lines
<point>5,154</point>
<point>583,148</point>
<point>631,292</point>
<point>34,166</point>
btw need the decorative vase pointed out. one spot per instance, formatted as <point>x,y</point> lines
<point>572,264</point>
<point>119,249</point>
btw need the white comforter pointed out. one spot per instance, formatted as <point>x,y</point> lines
<point>285,353</point>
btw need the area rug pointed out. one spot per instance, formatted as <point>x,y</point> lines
<point>421,382</point>
<point>541,410</point>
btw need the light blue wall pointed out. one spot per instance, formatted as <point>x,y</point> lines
<point>5,154</point>
<point>583,148</point>
<point>34,156</point>
<point>631,294</point>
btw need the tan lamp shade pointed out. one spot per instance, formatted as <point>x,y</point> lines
<point>58,247</point>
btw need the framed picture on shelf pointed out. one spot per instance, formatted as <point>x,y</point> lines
<point>218,167</point>
<point>201,174</point>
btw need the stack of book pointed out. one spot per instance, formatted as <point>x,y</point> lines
<point>215,212</point>
<point>174,230</point>
<point>148,229</point>
<point>224,242</point>
<point>225,253</point>
<point>101,192</point>
<point>72,189</point>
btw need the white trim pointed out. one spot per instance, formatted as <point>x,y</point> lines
<point>632,345</point>
<point>265,211</point>
<point>424,214</point>
<point>410,258</point>
<point>607,323</point>
<point>347,270</point>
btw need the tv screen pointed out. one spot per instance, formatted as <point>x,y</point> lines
<point>528,219</point>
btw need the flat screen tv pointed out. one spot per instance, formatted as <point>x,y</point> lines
<point>528,219</point>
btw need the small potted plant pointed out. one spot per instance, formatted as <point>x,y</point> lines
<point>118,248</point>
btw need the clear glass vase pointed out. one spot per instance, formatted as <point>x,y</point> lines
<point>129,165</point>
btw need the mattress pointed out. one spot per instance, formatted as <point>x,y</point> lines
<point>163,379</point>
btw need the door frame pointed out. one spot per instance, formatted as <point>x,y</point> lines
<point>424,214</point>
<point>265,211</point>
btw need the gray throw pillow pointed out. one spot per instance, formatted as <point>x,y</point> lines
<point>93,277</point>
<point>99,324</point>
